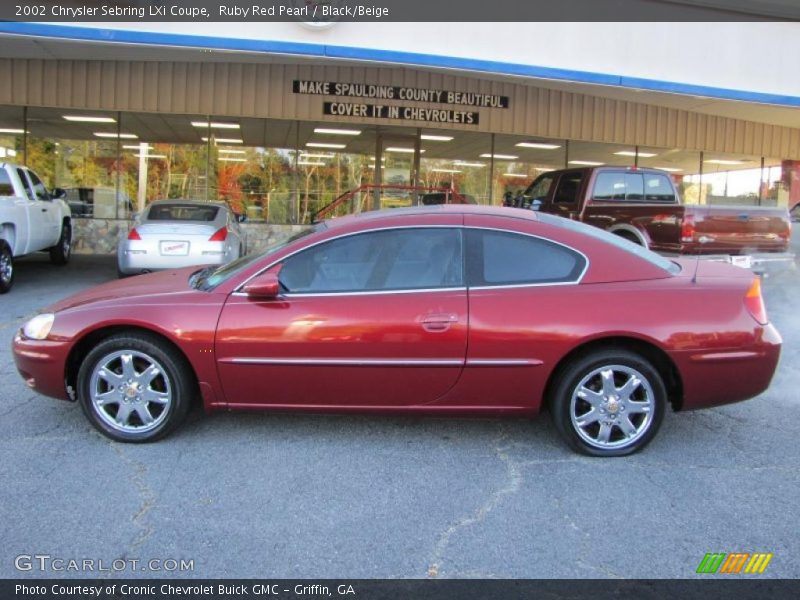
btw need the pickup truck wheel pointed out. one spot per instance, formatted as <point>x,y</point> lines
<point>135,388</point>
<point>608,403</point>
<point>6,267</point>
<point>60,253</point>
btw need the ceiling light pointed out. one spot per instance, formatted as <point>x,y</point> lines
<point>121,136</point>
<point>82,119</point>
<point>500,156</point>
<point>538,145</point>
<point>518,175</point>
<point>445,171</point>
<point>229,151</point>
<point>224,140</point>
<point>18,131</point>
<point>304,155</point>
<point>323,145</point>
<point>722,161</point>
<point>135,146</point>
<point>150,155</point>
<point>311,163</point>
<point>215,125</point>
<point>231,159</point>
<point>669,169</point>
<point>405,150</point>
<point>463,163</point>
<point>436,138</point>
<point>633,153</point>
<point>337,131</point>
<point>587,163</point>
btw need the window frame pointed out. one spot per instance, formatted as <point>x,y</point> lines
<point>553,192</point>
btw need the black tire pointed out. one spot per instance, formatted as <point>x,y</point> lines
<point>6,267</point>
<point>174,381</point>
<point>60,253</point>
<point>630,237</point>
<point>604,410</point>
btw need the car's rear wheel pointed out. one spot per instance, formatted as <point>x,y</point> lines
<point>135,388</point>
<point>6,267</point>
<point>60,253</point>
<point>608,403</point>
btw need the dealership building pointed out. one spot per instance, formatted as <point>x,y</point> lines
<point>289,121</point>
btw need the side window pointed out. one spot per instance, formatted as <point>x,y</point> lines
<point>503,258</point>
<point>6,187</point>
<point>617,186</point>
<point>38,187</point>
<point>609,186</point>
<point>568,187</point>
<point>540,188</point>
<point>25,184</point>
<point>658,188</point>
<point>398,259</point>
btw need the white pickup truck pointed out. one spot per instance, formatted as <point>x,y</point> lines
<point>31,219</point>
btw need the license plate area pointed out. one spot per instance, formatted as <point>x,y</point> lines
<point>745,262</point>
<point>173,248</point>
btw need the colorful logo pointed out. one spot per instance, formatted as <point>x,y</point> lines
<point>735,563</point>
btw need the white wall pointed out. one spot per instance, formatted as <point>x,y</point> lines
<point>755,57</point>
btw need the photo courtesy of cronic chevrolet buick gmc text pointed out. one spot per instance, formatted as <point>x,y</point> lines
<point>448,310</point>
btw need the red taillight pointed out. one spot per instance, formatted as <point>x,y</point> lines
<point>755,303</point>
<point>687,228</point>
<point>134,235</point>
<point>220,235</point>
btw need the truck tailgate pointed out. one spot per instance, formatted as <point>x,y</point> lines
<point>738,230</point>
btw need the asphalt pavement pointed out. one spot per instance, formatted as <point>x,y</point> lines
<point>305,496</point>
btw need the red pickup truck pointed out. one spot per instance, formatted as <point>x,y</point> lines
<point>643,206</point>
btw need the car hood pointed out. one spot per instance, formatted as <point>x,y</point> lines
<point>140,286</point>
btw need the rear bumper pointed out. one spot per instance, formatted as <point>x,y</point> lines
<point>762,262</point>
<point>138,257</point>
<point>715,377</point>
<point>41,364</point>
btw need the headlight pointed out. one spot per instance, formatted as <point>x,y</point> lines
<point>39,326</point>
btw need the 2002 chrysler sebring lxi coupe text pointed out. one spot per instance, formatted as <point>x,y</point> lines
<point>439,310</point>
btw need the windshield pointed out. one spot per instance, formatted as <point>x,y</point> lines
<point>612,239</point>
<point>211,277</point>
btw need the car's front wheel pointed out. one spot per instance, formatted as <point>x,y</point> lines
<point>6,267</point>
<point>608,403</point>
<point>135,388</point>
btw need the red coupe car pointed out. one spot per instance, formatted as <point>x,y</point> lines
<point>438,310</point>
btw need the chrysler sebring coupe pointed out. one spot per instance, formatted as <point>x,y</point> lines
<point>446,310</point>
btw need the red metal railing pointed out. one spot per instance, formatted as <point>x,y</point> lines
<point>368,190</point>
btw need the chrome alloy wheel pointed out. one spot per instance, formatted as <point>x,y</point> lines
<point>6,267</point>
<point>130,391</point>
<point>612,406</point>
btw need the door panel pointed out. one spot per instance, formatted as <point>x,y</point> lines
<point>386,349</point>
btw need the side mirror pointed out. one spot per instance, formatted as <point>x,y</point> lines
<point>264,287</point>
<point>58,193</point>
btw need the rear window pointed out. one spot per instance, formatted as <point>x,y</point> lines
<point>182,212</point>
<point>614,240</point>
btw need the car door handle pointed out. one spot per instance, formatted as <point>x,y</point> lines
<point>438,322</point>
<point>44,210</point>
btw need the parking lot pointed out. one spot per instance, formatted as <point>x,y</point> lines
<point>266,495</point>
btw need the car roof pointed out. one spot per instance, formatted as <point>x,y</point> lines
<point>438,209</point>
<point>187,201</point>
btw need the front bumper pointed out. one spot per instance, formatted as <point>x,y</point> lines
<point>41,363</point>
